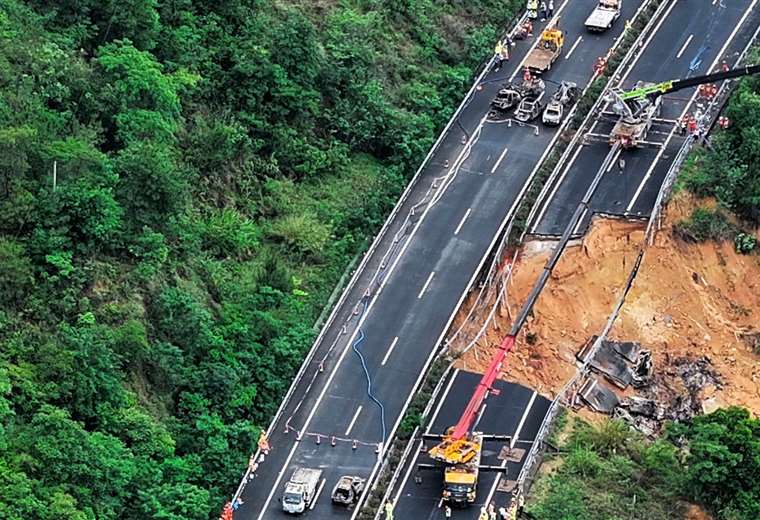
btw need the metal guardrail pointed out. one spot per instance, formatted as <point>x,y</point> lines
<point>360,269</point>
<point>709,117</point>
<point>632,53</point>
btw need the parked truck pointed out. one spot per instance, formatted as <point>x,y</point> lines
<point>301,490</point>
<point>603,15</point>
<point>547,51</point>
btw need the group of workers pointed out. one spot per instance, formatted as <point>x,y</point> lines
<point>540,8</point>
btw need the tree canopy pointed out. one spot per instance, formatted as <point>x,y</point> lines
<point>217,167</point>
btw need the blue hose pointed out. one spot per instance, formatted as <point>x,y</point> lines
<point>354,346</point>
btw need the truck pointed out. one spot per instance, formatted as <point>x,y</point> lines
<point>603,15</point>
<point>348,490</point>
<point>547,51</point>
<point>461,480</point>
<point>301,490</point>
<point>632,128</point>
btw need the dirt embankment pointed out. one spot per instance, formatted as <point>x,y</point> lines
<point>687,301</point>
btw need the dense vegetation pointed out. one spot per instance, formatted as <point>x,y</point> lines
<point>609,472</point>
<point>729,171</point>
<point>218,165</point>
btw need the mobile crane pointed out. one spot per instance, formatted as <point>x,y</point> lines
<point>638,108</point>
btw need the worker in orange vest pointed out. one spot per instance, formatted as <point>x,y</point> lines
<point>692,125</point>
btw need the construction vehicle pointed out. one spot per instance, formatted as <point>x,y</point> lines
<point>459,449</point>
<point>604,15</point>
<point>510,95</point>
<point>566,94</point>
<point>301,490</point>
<point>348,490</point>
<point>638,108</point>
<point>460,481</point>
<point>547,51</point>
<point>638,115</point>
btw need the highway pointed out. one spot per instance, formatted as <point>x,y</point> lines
<point>714,31</point>
<point>693,39</point>
<point>401,319</point>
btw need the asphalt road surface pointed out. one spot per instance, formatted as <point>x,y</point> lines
<point>693,39</point>
<point>516,411</point>
<point>401,324</point>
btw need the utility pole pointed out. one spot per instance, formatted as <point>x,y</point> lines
<point>55,174</point>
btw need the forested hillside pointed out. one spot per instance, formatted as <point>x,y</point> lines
<point>217,164</point>
<point>728,171</point>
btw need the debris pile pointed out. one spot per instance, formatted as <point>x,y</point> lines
<point>675,392</point>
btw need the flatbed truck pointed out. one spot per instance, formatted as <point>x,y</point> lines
<point>604,15</point>
<point>547,51</point>
<point>301,490</point>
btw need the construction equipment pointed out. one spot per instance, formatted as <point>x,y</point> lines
<point>547,51</point>
<point>301,490</point>
<point>460,448</point>
<point>566,94</point>
<point>604,15</point>
<point>348,490</point>
<point>637,116</point>
<point>461,480</point>
<point>461,464</point>
<point>639,107</point>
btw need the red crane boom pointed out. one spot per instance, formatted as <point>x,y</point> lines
<point>462,428</point>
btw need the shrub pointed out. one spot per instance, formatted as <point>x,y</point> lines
<point>705,224</point>
<point>745,243</point>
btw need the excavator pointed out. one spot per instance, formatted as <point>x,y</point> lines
<point>639,107</point>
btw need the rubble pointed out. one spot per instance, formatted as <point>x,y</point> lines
<point>598,396</point>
